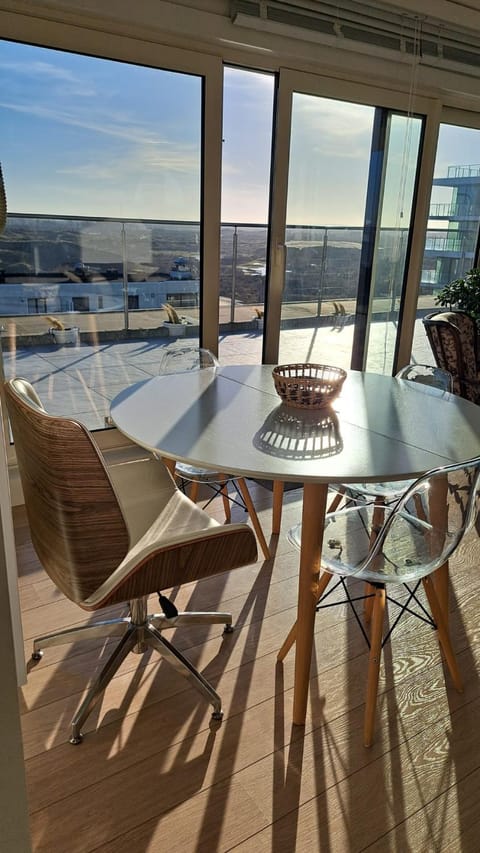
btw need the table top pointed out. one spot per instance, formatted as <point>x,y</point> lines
<point>231,419</point>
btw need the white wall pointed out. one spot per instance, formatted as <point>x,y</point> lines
<point>14,836</point>
<point>206,25</point>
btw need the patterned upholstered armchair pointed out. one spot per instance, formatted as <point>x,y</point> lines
<point>454,341</point>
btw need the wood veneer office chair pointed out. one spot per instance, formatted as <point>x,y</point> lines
<point>182,358</point>
<point>112,536</point>
<point>419,534</point>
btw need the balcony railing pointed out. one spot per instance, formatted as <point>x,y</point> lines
<point>124,271</point>
<point>453,211</point>
<point>445,244</point>
<point>463,171</point>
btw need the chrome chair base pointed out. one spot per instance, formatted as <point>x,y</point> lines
<point>138,632</point>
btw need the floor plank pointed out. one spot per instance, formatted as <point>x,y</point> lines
<point>154,773</point>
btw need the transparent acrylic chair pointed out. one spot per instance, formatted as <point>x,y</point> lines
<point>419,534</point>
<point>382,493</point>
<point>181,358</point>
<point>389,492</point>
<point>427,374</point>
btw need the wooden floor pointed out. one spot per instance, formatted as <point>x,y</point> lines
<point>154,774</point>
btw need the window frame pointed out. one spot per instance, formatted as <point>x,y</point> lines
<point>291,81</point>
<point>138,52</point>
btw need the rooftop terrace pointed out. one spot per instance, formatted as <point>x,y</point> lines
<point>82,380</point>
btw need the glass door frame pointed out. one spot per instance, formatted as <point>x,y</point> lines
<point>291,81</point>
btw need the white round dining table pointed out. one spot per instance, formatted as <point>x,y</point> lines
<point>231,419</point>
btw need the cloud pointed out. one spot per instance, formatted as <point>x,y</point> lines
<point>40,69</point>
<point>331,128</point>
<point>138,164</point>
<point>109,124</point>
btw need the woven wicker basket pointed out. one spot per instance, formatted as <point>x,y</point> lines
<point>308,386</point>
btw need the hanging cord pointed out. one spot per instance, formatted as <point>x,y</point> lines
<point>3,202</point>
<point>397,255</point>
<point>416,56</point>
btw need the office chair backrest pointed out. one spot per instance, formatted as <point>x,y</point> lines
<point>76,523</point>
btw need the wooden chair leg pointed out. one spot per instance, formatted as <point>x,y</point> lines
<point>253,516</point>
<point>374,664</point>
<point>226,503</point>
<point>340,494</point>
<point>378,518</point>
<point>443,632</point>
<point>368,603</point>
<point>277,506</point>
<point>193,491</point>
<point>287,644</point>
<point>169,464</point>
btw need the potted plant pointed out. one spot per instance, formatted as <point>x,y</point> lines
<point>462,294</point>
<point>176,324</point>
<point>258,317</point>
<point>62,334</point>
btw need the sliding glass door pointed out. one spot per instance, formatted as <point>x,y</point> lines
<point>386,239</point>
<point>327,189</point>
<point>341,225</point>
<point>103,164</point>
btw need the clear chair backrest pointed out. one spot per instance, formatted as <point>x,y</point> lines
<point>181,359</point>
<point>427,374</point>
<point>439,509</point>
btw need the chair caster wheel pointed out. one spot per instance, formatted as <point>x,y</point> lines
<point>228,629</point>
<point>217,715</point>
<point>76,739</point>
<point>37,655</point>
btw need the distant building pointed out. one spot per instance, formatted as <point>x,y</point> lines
<point>450,252</point>
<point>95,296</point>
<point>51,265</point>
<point>181,269</point>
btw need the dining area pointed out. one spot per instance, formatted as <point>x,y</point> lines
<point>288,766</point>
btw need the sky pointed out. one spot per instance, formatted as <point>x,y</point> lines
<point>92,137</point>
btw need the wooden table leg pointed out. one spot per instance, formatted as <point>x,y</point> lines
<point>313,521</point>
<point>277,506</point>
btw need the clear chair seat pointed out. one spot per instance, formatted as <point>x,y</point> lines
<point>389,491</point>
<point>202,475</point>
<point>408,554</point>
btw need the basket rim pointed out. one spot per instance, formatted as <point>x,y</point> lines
<point>308,385</point>
<point>277,370</point>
